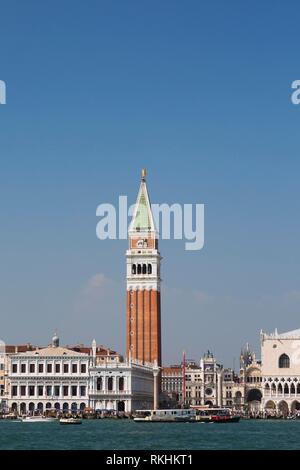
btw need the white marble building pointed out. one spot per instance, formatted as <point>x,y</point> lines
<point>122,386</point>
<point>48,378</point>
<point>280,354</point>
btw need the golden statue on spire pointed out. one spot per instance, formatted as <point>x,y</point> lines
<point>144,173</point>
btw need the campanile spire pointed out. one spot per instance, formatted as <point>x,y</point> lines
<point>143,324</point>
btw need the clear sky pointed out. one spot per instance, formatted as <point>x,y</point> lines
<point>197,92</point>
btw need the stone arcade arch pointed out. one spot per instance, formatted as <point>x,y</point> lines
<point>31,406</point>
<point>14,407</point>
<point>283,408</point>
<point>121,406</point>
<point>40,407</point>
<point>270,405</point>
<point>23,408</point>
<point>254,397</point>
<point>74,407</point>
<point>295,406</point>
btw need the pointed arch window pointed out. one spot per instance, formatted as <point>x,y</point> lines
<point>284,361</point>
<point>286,389</point>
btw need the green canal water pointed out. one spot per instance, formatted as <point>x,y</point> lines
<point>125,434</point>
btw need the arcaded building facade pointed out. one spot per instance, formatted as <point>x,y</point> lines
<point>280,354</point>
<point>45,379</point>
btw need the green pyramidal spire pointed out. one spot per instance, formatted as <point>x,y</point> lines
<point>142,219</point>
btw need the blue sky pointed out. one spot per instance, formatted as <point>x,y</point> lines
<point>197,92</point>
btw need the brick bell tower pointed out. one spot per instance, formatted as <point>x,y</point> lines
<point>143,324</point>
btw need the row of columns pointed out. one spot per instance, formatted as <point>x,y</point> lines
<point>115,387</point>
<point>46,393</point>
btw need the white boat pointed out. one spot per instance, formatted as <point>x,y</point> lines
<point>70,421</point>
<point>166,416</point>
<point>37,419</point>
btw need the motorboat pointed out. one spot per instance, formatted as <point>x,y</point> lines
<point>71,420</point>
<point>216,415</point>
<point>37,419</point>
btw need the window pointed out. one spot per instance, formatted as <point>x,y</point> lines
<point>133,269</point>
<point>139,269</point>
<point>110,383</point>
<point>56,391</point>
<point>149,268</point>
<point>144,269</point>
<point>49,390</point>
<point>31,390</point>
<point>121,383</point>
<point>49,368</point>
<point>74,368</point>
<point>23,368</point>
<point>82,391</point>
<point>284,361</point>
<point>32,368</point>
<point>57,368</point>
<point>14,390</point>
<point>74,390</point>
<point>23,390</point>
<point>99,383</point>
<point>41,368</point>
<point>66,368</point>
<point>83,368</point>
<point>65,390</point>
<point>40,390</point>
<point>15,368</point>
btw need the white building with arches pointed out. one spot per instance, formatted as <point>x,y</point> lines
<point>45,379</point>
<point>280,354</point>
<point>123,386</point>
